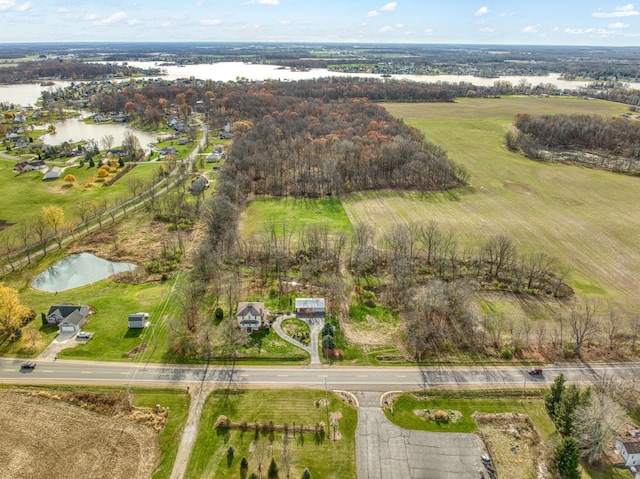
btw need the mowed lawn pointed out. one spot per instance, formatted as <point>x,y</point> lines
<point>324,458</point>
<point>585,218</point>
<point>24,195</point>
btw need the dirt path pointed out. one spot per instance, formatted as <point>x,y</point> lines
<point>199,394</point>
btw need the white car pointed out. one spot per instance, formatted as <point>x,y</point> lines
<point>83,335</point>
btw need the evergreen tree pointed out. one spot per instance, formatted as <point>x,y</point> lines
<point>565,411</point>
<point>327,330</point>
<point>566,459</point>
<point>272,473</point>
<point>328,342</point>
<point>306,474</point>
<point>553,396</point>
<point>244,468</point>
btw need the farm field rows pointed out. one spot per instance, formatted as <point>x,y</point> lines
<point>582,217</point>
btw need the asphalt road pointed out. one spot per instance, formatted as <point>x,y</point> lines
<point>337,377</point>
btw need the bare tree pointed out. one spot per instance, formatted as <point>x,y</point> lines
<point>612,326</point>
<point>430,237</point>
<point>107,142</point>
<point>583,324</point>
<point>595,423</point>
<point>25,231</point>
<point>499,252</point>
<point>259,450</point>
<point>536,267</point>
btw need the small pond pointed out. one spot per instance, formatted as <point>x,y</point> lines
<point>77,270</point>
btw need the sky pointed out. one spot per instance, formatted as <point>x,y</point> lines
<point>534,22</point>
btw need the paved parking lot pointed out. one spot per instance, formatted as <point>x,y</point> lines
<point>385,451</point>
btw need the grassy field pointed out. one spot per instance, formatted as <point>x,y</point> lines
<point>113,303</point>
<point>324,458</point>
<point>296,214</point>
<point>25,194</point>
<point>580,216</point>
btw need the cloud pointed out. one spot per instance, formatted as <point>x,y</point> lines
<point>134,21</point>
<point>481,11</point>
<point>389,7</point>
<point>199,3</point>
<point>253,26</point>
<point>23,8</point>
<point>625,11</point>
<point>166,24</point>
<point>90,16</point>
<point>210,22</point>
<point>486,30</point>
<point>285,23</point>
<point>591,31</point>
<point>555,29</point>
<point>505,14</point>
<point>11,5</point>
<point>372,13</point>
<point>62,10</point>
<point>617,25</point>
<point>400,25</point>
<point>385,29</point>
<point>269,2</point>
<point>429,31</point>
<point>115,18</point>
<point>531,29</point>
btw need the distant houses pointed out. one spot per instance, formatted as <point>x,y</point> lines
<point>33,165</point>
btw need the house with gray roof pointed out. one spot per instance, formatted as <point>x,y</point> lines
<point>70,318</point>
<point>251,315</point>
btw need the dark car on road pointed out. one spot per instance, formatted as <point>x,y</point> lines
<point>29,365</point>
<point>535,371</point>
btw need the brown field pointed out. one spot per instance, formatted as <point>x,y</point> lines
<point>46,438</point>
<point>582,217</point>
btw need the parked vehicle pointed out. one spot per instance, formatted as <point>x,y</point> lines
<point>535,371</point>
<point>83,335</point>
<point>29,365</point>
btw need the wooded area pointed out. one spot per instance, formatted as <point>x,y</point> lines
<point>612,143</point>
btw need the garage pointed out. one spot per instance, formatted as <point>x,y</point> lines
<point>67,328</point>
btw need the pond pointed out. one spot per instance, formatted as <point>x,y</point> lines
<point>74,129</point>
<point>78,270</point>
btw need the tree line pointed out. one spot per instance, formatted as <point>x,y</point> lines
<point>615,142</point>
<point>62,70</point>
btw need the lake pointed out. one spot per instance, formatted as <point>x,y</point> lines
<point>78,270</point>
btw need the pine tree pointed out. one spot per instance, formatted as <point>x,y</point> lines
<point>553,396</point>
<point>306,474</point>
<point>566,459</point>
<point>272,473</point>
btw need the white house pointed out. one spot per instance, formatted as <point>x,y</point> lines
<point>138,320</point>
<point>629,449</point>
<point>310,306</point>
<point>251,315</point>
<point>52,173</point>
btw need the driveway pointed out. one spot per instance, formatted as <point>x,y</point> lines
<point>315,325</point>
<point>61,341</point>
<point>385,451</point>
